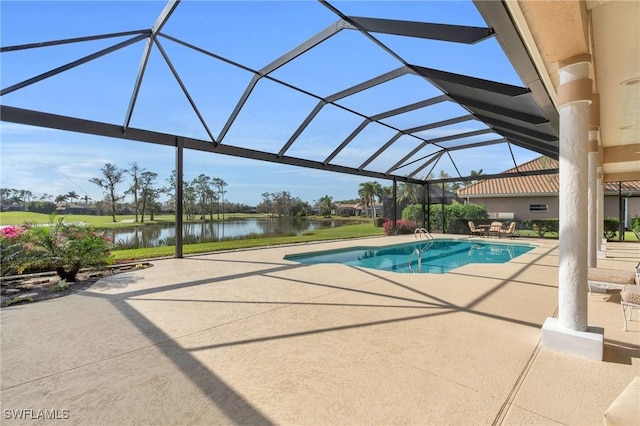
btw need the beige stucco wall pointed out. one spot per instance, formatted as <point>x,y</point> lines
<point>520,206</point>
<point>611,207</point>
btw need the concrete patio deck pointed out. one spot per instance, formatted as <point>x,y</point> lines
<point>249,338</point>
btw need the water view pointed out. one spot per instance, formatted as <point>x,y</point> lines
<point>164,234</point>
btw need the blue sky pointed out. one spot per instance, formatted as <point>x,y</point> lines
<point>250,33</point>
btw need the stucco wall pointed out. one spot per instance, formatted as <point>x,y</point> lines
<point>520,206</point>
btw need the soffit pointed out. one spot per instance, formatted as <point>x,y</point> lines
<point>559,29</point>
<point>610,32</point>
<point>616,49</point>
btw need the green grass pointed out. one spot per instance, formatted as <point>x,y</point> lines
<point>342,232</point>
<point>18,218</point>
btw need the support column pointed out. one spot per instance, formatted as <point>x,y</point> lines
<point>179,195</point>
<point>394,214</point>
<point>569,332</point>
<point>602,243</point>
<point>428,207</point>
<point>424,212</point>
<point>592,231</point>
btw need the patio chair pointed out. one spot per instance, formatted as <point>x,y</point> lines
<point>474,230</point>
<point>509,231</point>
<point>625,410</point>
<point>495,229</point>
<point>611,279</point>
<point>630,299</point>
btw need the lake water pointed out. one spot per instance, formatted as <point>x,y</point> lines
<point>164,235</point>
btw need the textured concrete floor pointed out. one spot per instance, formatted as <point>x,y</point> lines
<point>249,338</point>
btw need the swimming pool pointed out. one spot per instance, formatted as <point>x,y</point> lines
<point>435,256</point>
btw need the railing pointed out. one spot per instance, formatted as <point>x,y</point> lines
<point>419,250</point>
<point>419,253</point>
<point>422,232</point>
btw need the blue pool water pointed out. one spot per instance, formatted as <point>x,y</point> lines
<point>436,257</point>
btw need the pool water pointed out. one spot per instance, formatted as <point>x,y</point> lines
<point>435,256</point>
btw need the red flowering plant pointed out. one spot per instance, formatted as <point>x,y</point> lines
<point>61,247</point>
<point>402,227</point>
<point>10,246</point>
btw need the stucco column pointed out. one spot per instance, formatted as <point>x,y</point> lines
<point>600,211</point>
<point>574,97</point>
<point>592,204</point>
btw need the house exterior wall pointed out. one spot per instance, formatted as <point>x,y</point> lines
<point>611,207</point>
<point>520,206</point>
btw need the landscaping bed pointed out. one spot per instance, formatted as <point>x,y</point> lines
<point>31,288</point>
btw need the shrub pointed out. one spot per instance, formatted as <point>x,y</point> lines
<point>610,228</point>
<point>456,216</point>
<point>10,247</point>
<point>635,224</point>
<point>64,248</point>
<point>402,227</point>
<point>543,226</point>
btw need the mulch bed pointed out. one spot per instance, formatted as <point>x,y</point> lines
<point>34,288</point>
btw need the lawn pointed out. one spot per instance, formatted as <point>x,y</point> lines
<point>18,218</point>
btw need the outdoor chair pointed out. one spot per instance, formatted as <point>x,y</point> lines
<point>509,231</point>
<point>474,230</point>
<point>611,279</point>
<point>625,410</point>
<point>495,229</point>
<point>630,299</point>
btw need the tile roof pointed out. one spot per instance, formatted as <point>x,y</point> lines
<point>542,184</point>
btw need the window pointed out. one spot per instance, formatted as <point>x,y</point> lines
<point>538,207</point>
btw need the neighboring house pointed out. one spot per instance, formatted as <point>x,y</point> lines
<point>63,208</point>
<point>12,208</point>
<point>536,197</point>
<point>341,209</point>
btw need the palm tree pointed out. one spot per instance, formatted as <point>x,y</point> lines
<point>364,192</point>
<point>410,192</point>
<point>326,205</point>
<point>72,196</point>
<point>368,193</point>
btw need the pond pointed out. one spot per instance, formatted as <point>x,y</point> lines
<point>202,232</point>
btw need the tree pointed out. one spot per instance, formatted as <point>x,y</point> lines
<point>282,203</point>
<point>202,188</point>
<point>62,198</point>
<point>266,206</point>
<point>26,195</point>
<point>300,208</point>
<point>148,193</point>
<point>475,173</point>
<point>411,192</point>
<point>189,195</point>
<point>326,205</point>
<point>220,184</point>
<point>112,176</point>
<point>189,198</point>
<point>368,193</point>
<point>134,171</point>
<point>72,196</point>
